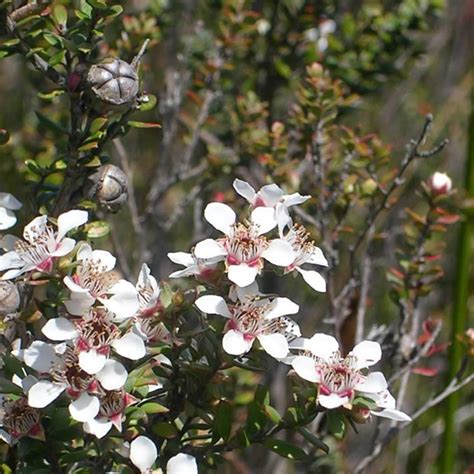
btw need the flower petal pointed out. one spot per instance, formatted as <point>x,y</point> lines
<point>245,190</point>
<point>275,345</point>
<point>70,220</point>
<point>99,427</point>
<point>73,286</point>
<point>60,329</point>
<point>113,376</point>
<point>65,246</point>
<point>281,307</point>
<point>181,258</point>
<point>271,194</point>
<point>143,453</point>
<point>264,217</point>
<point>91,361</point>
<point>84,252</point>
<point>392,414</point>
<point>367,352</point>
<point>85,408</point>
<point>280,253</point>
<point>374,383</point>
<point>209,248</point>
<point>182,464</point>
<point>332,401</point>
<point>40,356</point>
<point>124,302</point>
<point>43,393</point>
<point>106,260</point>
<point>305,367</point>
<point>10,260</point>
<point>34,228</point>
<point>313,279</point>
<point>220,216</point>
<point>242,275</point>
<point>318,258</point>
<point>234,343</point>
<point>323,345</point>
<point>7,218</point>
<point>212,304</point>
<point>130,346</point>
<point>79,303</point>
<point>10,202</point>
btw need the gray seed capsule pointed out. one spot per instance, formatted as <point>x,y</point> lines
<point>109,187</point>
<point>113,81</point>
<point>9,298</point>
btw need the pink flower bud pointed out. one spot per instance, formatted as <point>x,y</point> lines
<point>439,183</point>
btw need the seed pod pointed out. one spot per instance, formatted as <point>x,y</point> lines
<point>114,83</point>
<point>108,187</point>
<point>9,298</point>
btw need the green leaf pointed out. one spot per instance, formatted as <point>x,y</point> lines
<point>6,386</point>
<point>50,124</point>
<point>223,419</point>
<point>97,229</point>
<point>114,11</point>
<point>272,414</point>
<point>99,4</point>
<point>60,15</point>
<point>285,449</point>
<point>166,294</point>
<point>143,124</point>
<point>336,425</point>
<point>262,395</point>
<point>313,439</point>
<point>153,408</point>
<point>149,104</point>
<point>98,124</point>
<point>165,430</point>
<point>50,95</point>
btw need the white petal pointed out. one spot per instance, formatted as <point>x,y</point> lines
<point>10,274</point>
<point>209,248</point>
<point>130,346</point>
<point>323,345</point>
<point>143,453</point>
<point>282,217</point>
<point>294,199</point>
<point>244,292</point>
<point>182,464</point>
<point>220,216</point>
<point>234,343</point>
<point>367,352</point>
<point>7,218</point>
<point>185,272</point>
<point>318,258</point>
<point>271,194</point>
<point>60,329</point>
<point>91,361</point>
<point>124,302</point>
<point>73,286</point>
<point>281,307</point>
<point>147,280</point>
<point>7,242</point>
<point>28,382</point>
<point>84,252</point>
<point>10,202</point>
<point>264,217</point>
<point>106,260</point>
<point>212,304</point>
<point>85,408</point>
<point>40,356</point>
<point>275,345</point>
<point>305,367</point>
<point>313,279</point>
<point>5,437</point>
<point>279,252</point>
<point>242,275</point>
<point>35,227</point>
<point>392,414</point>
<point>245,190</point>
<point>65,246</point>
<point>10,260</point>
<point>383,399</point>
<point>99,427</point>
<point>70,220</point>
<point>43,393</point>
<point>79,303</point>
<point>374,383</point>
<point>332,401</point>
<point>181,258</point>
<point>113,376</point>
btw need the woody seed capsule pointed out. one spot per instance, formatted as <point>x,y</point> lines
<point>9,298</point>
<point>109,187</point>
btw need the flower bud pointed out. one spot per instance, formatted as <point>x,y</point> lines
<point>368,187</point>
<point>108,187</point>
<point>9,297</point>
<point>315,70</point>
<point>439,183</point>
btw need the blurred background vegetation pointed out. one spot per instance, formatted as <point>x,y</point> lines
<point>224,72</point>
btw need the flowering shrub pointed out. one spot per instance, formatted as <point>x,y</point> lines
<point>270,328</point>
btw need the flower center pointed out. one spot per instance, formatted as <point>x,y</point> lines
<point>20,419</point>
<point>72,375</point>
<point>97,332</point>
<point>303,246</point>
<point>93,276</point>
<point>339,376</point>
<point>112,403</point>
<point>244,245</point>
<point>248,317</point>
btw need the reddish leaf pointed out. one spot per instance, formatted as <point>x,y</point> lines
<point>426,371</point>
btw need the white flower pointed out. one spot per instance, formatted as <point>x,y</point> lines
<point>8,203</point>
<point>272,196</point>
<point>94,280</point>
<point>143,453</point>
<point>440,183</point>
<point>244,247</point>
<point>94,335</point>
<point>306,252</point>
<point>254,318</point>
<point>339,378</point>
<point>61,364</point>
<point>182,464</point>
<point>148,291</point>
<point>386,406</point>
<point>203,269</point>
<point>112,406</point>
<point>41,245</point>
